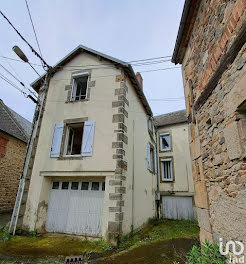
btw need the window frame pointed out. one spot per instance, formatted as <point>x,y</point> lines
<point>160,142</point>
<point>152,169</point>
<point>74,77</point>
<point>162,160</point>
<point>150,129</point>
<point>68,127</point>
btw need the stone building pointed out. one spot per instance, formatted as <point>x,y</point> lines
<point>175,183</point>
<point>14,134</point>
<point>211,48</point>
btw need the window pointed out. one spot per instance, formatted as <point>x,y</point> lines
<point>165,142</point>
<point>151,157</point>
<point>85,186</point>
<point>65,185</point>
<point>167,169</point>
<point>75,186</point>
<point>95,186</point>
<point>79,87</point>
<point>74,139</point>
<point>150,125</point>
<point>103,186</point>
<point>55,185</point>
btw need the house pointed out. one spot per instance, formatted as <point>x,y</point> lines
<point>212,50</point>
<point>174,166</point>
<point>93,171</point>
<point>14,135</point>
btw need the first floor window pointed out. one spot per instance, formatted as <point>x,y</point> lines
<point>74,139</point>
<point>150,157</point>
<point>167,169</point>
<point>79,86</point>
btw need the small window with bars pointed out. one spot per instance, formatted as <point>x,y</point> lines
<point>167,169</point>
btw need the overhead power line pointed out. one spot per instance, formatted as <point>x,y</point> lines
<point>13,85</point>
<point>102,64</point>
<point>33,29</point>
<point>32,49</point>
<point>21,83</point>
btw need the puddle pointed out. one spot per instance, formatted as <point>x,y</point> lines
<point>165,252</point>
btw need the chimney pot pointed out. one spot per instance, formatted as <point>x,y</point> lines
<point>140,79</point>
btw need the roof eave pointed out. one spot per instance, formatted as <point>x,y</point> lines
<point>185,27</point>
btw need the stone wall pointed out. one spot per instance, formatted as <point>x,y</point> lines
<point>217,119</point>
<point>11,164</point>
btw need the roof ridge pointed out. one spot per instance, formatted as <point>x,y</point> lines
<point>183,110</point>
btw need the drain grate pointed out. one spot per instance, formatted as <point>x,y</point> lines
<point>75,260</point>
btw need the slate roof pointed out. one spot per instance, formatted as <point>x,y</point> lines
<point>170,118</point>
<point>14,124</point>
<point>126,66</point>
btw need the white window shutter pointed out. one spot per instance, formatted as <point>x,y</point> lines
<point>148,157</point>
<point>73,92</point>
<point>56,141</point>
<point>88,138</point>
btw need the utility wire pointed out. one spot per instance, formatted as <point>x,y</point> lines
<point>12,84</point>
<point>32,49</point>
<point>102,64</point>
<point>34,30</point>
<point>21,83</point>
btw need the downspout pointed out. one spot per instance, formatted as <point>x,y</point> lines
<point>133,169</point>
<point>157,198</point>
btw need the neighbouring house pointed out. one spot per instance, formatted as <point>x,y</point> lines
<point>93,167</point>
<point>14,134</point>
<point>212,50</point>
<point>174,166</point>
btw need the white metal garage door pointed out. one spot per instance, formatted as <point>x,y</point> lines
<point>76,208</point>
<point>174,207</point>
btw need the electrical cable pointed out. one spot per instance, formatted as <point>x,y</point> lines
<point>12,84</point>
<point>32,49</point>
<point>34,31</point>
<point>21,83</point>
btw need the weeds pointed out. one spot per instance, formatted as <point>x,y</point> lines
<point>33,233</point>
<point>5,234</point>
<point>206,254</point>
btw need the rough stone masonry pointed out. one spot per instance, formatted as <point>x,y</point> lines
<point>212,51</point>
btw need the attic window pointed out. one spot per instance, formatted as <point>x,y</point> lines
<point>80,86</point>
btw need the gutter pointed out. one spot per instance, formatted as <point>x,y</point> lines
<point>185,13</point>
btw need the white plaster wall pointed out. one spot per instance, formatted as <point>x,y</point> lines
<point>140,183</point>
<point>180,152</point>
<point>99,109</point>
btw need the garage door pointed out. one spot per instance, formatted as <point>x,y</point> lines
<point>174,207</point>
<point>76,208</point>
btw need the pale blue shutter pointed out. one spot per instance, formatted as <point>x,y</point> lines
<point>56,141</point>
<point>148,157</point>
<point>88,138</point>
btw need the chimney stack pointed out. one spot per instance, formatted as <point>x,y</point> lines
<point>140,79</point>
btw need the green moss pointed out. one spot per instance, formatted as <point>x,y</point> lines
<point>160,230</point>
<point>46,247</point>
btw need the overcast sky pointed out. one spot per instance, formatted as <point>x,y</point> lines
<point>127,30</point>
